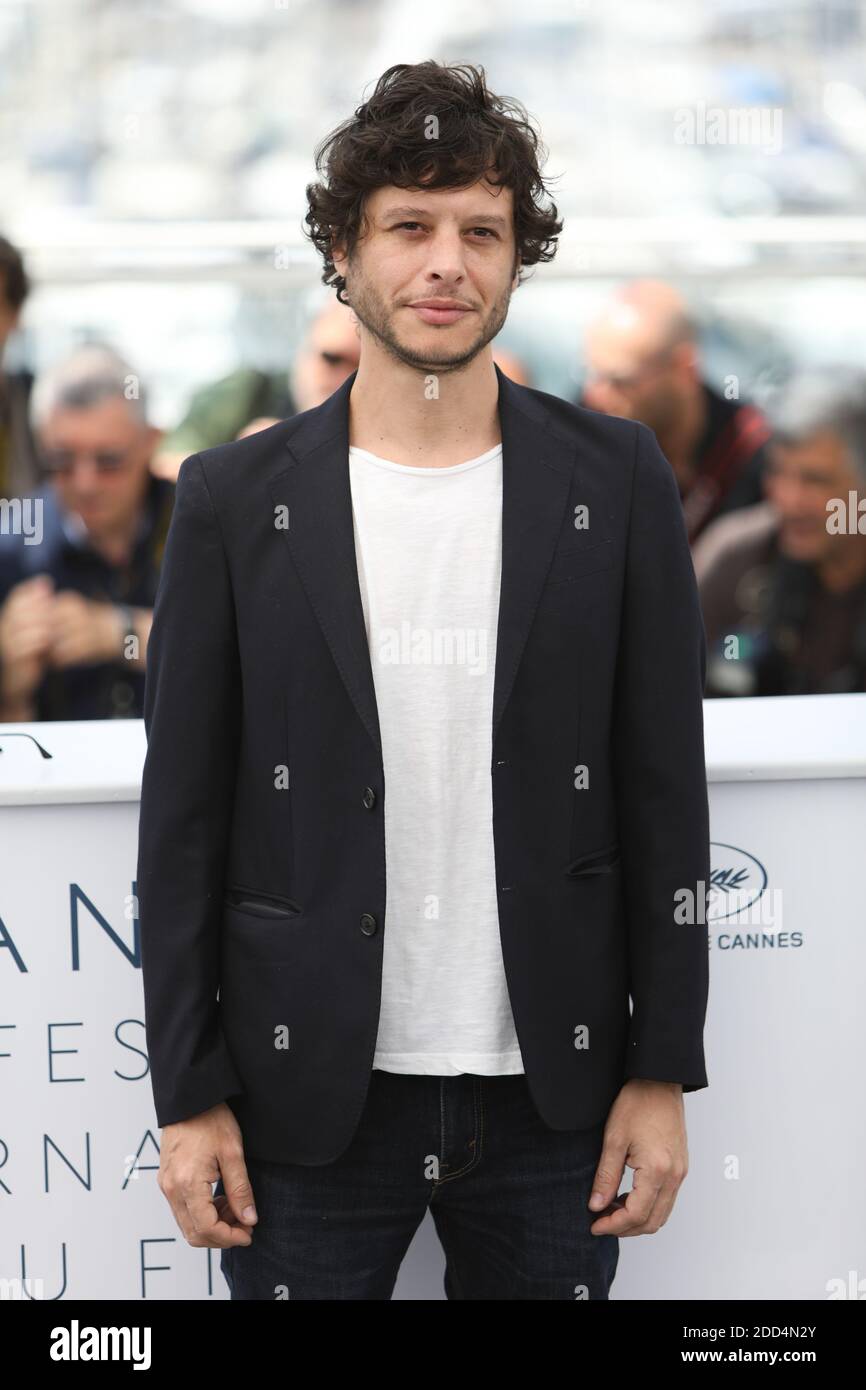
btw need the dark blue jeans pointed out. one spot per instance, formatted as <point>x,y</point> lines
<point>507,1194</point>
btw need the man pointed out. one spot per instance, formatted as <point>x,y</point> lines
<point>19,472</point>
<point>643,363</point>
<point>435,644</point>
<point>783,584</point>
<point>78,603</point>
<point>248,398</point>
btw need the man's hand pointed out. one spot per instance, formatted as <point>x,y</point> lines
<point>84,632</point>
<point>194,1154</point>
<point>646,1128</point>
<point>25,638</point>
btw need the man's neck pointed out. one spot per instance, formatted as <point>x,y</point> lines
<point>424,419</point>
<point>679,441</point>
<point>116,546</point>
<point>845,567</point>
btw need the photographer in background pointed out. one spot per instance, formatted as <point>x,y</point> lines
<point>787,578</point>
<point>78,605</point>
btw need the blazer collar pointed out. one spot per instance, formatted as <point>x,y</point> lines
<point>537,466</point>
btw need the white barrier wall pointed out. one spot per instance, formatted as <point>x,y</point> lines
<point>774,1205</point>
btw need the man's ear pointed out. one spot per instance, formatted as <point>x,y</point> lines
<point>338,256</point>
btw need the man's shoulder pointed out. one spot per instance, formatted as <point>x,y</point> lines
<point>241,462</point>
<point>246,452</point>
<point>575,420</point>
<point>736,541</point>
<point>607,446</point>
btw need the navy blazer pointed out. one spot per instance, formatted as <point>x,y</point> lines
<point>261,871</point>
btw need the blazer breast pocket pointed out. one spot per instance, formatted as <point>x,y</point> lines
<point>577,561</point>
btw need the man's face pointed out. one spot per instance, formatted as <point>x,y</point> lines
<point>636,388</point>
<point>800,480</point>
<point>98,462</point>
<point>628,373</point>
<point>451,246</point>
<point>330,352</point>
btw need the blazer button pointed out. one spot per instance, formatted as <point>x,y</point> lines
<point>369,925</point>
<point>369,798</point>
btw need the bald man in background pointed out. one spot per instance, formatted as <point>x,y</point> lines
<point>643,362</point>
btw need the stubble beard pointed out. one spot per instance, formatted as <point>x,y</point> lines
<point>369,309</point>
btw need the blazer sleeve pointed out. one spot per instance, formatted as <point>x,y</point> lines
<point>192,708</point>
<point>660,781</point>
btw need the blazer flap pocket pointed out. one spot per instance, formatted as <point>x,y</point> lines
<point>598,861</point>
<point>578,560</point>
<point>256,904</point>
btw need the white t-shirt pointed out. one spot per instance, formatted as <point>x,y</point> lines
<point>429,547</point>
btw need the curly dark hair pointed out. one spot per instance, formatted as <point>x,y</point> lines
<point>14,284</point>
<point>387,142</point>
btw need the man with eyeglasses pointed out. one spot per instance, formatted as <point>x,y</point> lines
<point>79,592</point>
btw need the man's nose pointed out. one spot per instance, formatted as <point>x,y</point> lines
<point>447,257</point>
<point>790,497</point>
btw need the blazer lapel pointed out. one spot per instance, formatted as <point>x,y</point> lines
<point>536,479</point>
<point>315,488</point>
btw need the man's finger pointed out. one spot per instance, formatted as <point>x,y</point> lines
<point>29,642</point>
<point>653,1221</point>
<point>33,590</point>
<point>178,1208</point>
<point>608,1173</point>
<point>27,608</point>
<point>663,1206</point>
<point>224,1209</point>
<point>205,1221</point>
<point>638,1205</point>
<point>236,1183</point>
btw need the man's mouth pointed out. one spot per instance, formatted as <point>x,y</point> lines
<point>433,313</point>
<point>798,532</point>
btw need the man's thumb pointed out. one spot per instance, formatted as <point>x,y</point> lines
<point>605,1184</point>
<point>236,1185</point>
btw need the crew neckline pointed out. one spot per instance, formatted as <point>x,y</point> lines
<point>427,472</point>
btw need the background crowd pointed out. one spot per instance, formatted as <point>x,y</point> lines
<point>157,295</point>
<point>774,499</point>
